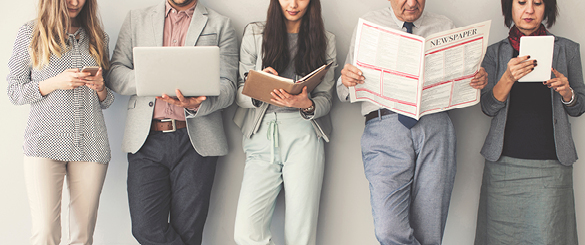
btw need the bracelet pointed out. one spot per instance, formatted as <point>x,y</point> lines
<point>572,101</point>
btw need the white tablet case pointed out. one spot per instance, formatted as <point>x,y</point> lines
<point>540,48</point>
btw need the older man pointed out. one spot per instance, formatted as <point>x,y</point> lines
<point>173,143</point>
<point>410,165</point>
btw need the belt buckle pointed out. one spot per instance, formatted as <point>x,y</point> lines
<point>172,123</point>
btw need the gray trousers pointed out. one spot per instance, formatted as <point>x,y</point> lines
<point>411,174</point>
<point>169,187</point>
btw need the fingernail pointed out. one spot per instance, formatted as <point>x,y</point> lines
<point>528,56</point>
<point>532,69</point>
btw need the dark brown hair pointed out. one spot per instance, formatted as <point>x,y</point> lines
<point>550,12</point>
<point>311,44</point>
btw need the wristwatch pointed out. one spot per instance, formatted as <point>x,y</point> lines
<point>310,109</point>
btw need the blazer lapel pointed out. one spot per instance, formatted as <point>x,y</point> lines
<point>198,22</point>
<point>158,24</point>
<point>506,54</point>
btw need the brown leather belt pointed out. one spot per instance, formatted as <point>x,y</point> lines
<point>167,125</point>
<point>378,113</point>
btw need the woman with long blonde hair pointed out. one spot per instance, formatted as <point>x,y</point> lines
<point>66,133</point>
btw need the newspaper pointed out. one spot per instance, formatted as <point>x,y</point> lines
<point>415,76</point>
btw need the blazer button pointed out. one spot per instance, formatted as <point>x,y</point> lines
<point>150,104</point>
<point>555,121</point>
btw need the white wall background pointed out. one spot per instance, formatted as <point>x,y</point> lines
<point>345,216</point>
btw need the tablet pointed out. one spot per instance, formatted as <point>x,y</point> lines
<point>162,70</point>
<point>540,48</point>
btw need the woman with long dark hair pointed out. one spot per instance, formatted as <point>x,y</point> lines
<point>66,133</point>
<point>527,190</point>
<point>284,143</point>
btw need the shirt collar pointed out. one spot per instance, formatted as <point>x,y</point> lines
<point>80,32</point>
<point>417,23</point>
<point>168,9</point>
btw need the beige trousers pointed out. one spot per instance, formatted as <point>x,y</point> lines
<point>44,183</point>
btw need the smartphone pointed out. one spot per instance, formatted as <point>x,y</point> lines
<point>91,69</point>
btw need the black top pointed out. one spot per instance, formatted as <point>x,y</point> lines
<point>529,130</point>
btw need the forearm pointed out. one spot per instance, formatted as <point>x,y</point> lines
<point>102,94</point>
<point>46,86</point>
<point>503,87</point>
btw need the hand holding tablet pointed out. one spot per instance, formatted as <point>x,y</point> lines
<point>540,48</point>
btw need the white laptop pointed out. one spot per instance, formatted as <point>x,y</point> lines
<point>193,70</point>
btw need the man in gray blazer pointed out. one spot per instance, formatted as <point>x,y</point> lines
<point>173,143</point>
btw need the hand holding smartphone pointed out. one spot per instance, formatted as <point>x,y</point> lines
<point>90,69</point>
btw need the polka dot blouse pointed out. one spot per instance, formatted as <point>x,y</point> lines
<point>64,125</point>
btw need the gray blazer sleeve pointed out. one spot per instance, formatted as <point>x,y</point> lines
<point>121,77</point>
<point>489,104</point>
<point>575,77</point>
<point>248,61</point>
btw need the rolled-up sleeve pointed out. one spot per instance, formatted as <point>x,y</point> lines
<point>21,89</point>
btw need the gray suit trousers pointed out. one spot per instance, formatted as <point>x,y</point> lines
<point>168,177</point>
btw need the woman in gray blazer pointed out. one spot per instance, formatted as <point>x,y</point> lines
<point>527,190</point>
<point>283,141</point>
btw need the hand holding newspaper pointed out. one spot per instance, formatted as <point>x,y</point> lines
<point>414,76</point>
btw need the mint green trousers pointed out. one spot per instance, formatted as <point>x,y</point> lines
<point>285,152</point>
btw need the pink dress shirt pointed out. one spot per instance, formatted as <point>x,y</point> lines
<point>176,27</point>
